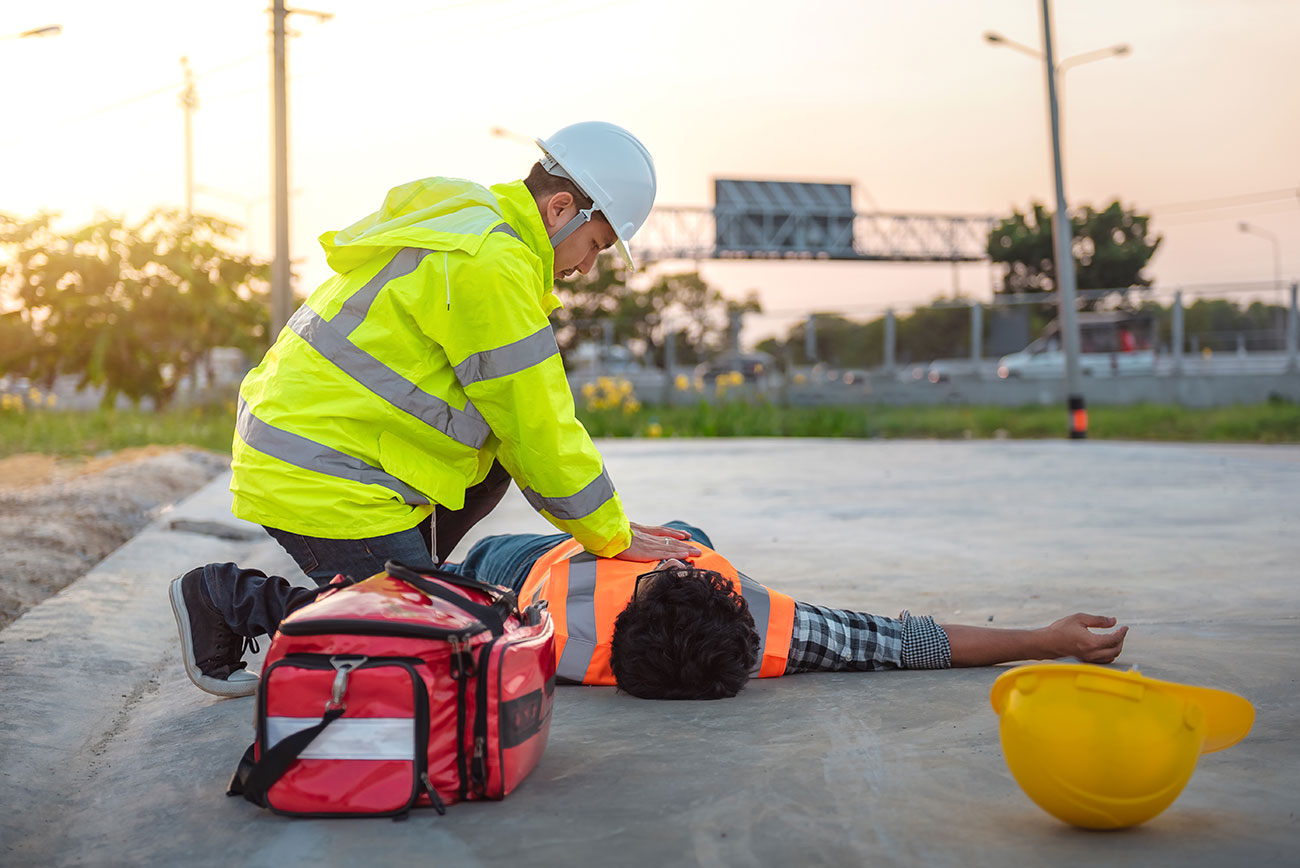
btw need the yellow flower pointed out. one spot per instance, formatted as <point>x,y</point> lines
<point>736,378</point>
<point>800,379</point>
<point>588,390</point>
<point>654,430</point>
<point>682,382</point>
<point>606,384</point>
<point>51,400</point>
<point>699,384</point>
<point>34,395</point>
<point>630,406</point>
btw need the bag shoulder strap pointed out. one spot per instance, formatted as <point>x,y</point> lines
<point>252,778</point>
<point>504,604</point>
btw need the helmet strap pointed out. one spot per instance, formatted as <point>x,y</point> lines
<point>574,224</point>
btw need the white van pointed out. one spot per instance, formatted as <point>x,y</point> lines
<point>1112,343</point>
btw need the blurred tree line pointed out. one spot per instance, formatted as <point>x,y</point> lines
<point>941,330</point>
<point>641,318</point>
<point>1110,247</point>
<point>133,309</point>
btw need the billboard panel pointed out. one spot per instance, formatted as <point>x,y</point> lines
<point>783,218</point>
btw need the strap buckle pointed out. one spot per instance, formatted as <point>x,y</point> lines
<point>342,666</point>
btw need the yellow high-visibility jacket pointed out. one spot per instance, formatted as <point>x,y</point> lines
<point>427,355</point>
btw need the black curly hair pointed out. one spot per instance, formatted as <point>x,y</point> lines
<point>685,635</point>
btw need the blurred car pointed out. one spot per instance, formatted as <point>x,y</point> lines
<point>1111,343</point>
<point>1044,358</point>
<point>753,367</point>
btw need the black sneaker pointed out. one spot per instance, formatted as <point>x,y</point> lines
<point>212,651</point>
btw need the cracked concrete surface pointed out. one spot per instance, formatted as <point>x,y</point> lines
<point>109,756</point>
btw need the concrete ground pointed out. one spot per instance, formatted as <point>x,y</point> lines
<point>109,756</point>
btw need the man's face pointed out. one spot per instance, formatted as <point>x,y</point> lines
<point>577,253</point>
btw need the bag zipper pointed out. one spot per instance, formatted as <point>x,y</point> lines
<point>361,627</point>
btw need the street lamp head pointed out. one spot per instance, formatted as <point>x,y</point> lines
<point>1243,226</point>
<point>991,36</point>
<point>38,32</point>
<point>1122,49</point>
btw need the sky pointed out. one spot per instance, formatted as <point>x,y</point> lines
<point>1199,125</point>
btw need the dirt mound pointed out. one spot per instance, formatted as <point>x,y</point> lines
<point>58,518</point>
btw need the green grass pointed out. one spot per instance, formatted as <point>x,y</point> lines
<point>56,432</point>
<point>90,432</point>
<point>1274,422</point>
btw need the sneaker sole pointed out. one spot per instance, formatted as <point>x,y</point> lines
<point>206,683</point>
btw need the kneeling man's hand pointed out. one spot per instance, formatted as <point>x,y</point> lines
<point>653,543</point>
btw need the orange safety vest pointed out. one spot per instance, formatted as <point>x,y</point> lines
<point>585,594</point>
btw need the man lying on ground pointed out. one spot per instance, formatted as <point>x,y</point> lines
<point>696,630</point>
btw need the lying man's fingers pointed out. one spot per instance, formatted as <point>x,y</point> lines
<point>1108,646</point>
<point>1094,620</point>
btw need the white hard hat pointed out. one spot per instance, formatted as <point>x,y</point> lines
<point>613,168</point>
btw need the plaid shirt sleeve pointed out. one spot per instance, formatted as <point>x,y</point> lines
<point>831,640</point>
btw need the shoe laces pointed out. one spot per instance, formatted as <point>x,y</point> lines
<point>249,644</point>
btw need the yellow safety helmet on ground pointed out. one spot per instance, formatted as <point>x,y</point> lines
<point>1105,749</point>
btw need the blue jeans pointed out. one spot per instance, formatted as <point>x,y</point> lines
<point>253,603</point>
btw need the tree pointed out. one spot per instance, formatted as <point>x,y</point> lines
<point>1110,247</point>
<point>133,309</point>
<point>641,318</point>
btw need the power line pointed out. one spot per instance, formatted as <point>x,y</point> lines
<point>1230,201</point>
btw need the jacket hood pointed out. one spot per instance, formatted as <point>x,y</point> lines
<point>433,213</point>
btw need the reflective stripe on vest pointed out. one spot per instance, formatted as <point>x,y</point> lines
<point>309,455</point>
<point>585,595</point>
<point>330,338</point>
<point>575,506</point>
<point>510,359</point>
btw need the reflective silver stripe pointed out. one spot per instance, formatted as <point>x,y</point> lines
<point>300,452</point>
<point>575,506</point>
<point>350,738</point>
<point>507,229</point>
<point>388,384</point>
<point>354,310</point>
<point>760,606</point>
<point>510,359</point>
<point>579,618</point>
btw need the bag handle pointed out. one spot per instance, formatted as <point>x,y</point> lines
<point>493,616</point>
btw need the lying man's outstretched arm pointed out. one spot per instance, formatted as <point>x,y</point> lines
<point>1068,637</point>
<point>828,639</point>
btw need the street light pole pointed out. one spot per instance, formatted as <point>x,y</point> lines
<point>189,102</point>
<point>1064,236</point>
<point>1062,231</point>
<point>1252,229</point>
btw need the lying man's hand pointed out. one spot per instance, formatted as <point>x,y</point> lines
<point>652,543</point>
<point>1070,637</point>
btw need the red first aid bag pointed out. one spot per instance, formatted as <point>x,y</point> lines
<point>403,690</point>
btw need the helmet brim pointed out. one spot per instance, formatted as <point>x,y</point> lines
<point>1228,717</point>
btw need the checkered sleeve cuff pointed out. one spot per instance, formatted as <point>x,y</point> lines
<point>925,644</point>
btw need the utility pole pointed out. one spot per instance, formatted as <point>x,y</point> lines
<point>1064,235</point>
<point>189,102</point>
<point>281,290</point>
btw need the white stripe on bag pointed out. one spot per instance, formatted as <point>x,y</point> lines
<point>350,738</point>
